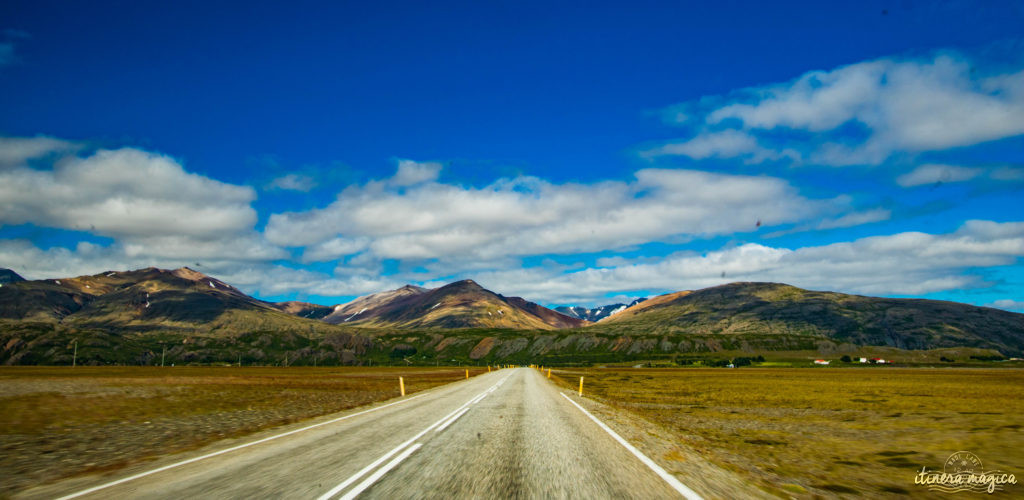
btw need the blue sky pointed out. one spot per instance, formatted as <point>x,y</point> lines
<point>569,153</point>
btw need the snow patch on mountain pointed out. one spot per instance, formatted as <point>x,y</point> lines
<point>598,313</point>
<point>361,311</point>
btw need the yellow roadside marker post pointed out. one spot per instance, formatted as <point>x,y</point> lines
<point>401,385</point>
<point>467,372</point>
<point>581,386</point>
<point>549,372</point>
<point>488,368</point>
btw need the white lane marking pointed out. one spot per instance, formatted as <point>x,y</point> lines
<point>669,478</point>
<point>477,398</point>
<point>344,484</point>
<point>353,478</point>
<point>450,420</point>
<point>221,452</point>
<point>380,473</point>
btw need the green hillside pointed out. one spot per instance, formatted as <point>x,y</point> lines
<point>762,311</point>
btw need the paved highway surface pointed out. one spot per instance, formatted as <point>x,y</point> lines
<point>505,434</point>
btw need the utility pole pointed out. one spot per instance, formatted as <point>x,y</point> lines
<point>239,360</point>
<point>74,357</point>
<point>163,355</point>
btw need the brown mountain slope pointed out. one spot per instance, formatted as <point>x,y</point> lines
<point>767,310</point>
<point>9,276</point>
<point>371,306</point>
<point>143,300</point>
<point>303,309</point>
<point>548,316</point>
<point>645,305</point>
<point>463,304</point>
<point>151,315</point>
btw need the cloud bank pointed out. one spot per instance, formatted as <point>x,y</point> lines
<point>909,263</point>
<point>861,114</point>
<point>412,216</point>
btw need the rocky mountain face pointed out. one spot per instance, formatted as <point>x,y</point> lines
<point>598,313</point>
<point>463,304</point>
<point>303,309</point>
<point>766,310</point>
<point>144,296</point>
<point>132,316</point>
<point>139,317</point>
<point>370,306</point>
<point>8,276</point>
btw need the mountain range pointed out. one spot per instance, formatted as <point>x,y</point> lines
<point>132,316</point>
<point>463,304</point>
<point>766,310</point>
<point>8,276</point>
<point>598,313</point>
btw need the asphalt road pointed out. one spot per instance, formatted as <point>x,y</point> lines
<point>506,434</point>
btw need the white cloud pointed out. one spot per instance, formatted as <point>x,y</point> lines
<point>241,248</point>
<point>293,182</point>
<point>905,106</point>
<point>1007,174</point>
<point>15,151</point>
<point>335,247</point>
<point>1009,305</point>
<point>723,144</point>
<point>411,173</point>
<point>268,280</point>
<point>157,213</point>
<point>936,173</point>
<point>120,193</point>
<point>529,216</point>
<point>856,219</point>
<point>906,263</point>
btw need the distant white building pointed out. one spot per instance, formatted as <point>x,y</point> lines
<point>863,360</point>
<point>821,362</point>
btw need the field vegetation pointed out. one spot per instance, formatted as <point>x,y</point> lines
<point>826,432</point>
<point>60,421</point>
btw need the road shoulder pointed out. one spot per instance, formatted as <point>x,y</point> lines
<point>670,451</point>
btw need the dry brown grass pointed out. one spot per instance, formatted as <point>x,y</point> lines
<point>58,421</point>
<point>831,432</point>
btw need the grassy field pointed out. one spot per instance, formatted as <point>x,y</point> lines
<point>59,421</point>
<point>830,432</point>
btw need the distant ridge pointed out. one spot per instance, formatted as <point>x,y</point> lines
<point>776,309</point>
<point>131,317</point>
<point>147,298</point>
<point>598,313</point>
<point>303,309</point>
<point>462,304</point>
<point>8,276</point>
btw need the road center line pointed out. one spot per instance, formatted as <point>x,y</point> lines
<point>344,484</point>
<point>234,448</point>
<point>380,473</point>
<point>669,478</point>
<point>450,420</point>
